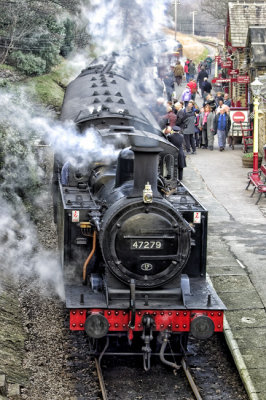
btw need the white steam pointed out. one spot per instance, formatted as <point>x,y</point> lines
<point>116,25</point>
<point>21,127</point>
<point>132,29</point>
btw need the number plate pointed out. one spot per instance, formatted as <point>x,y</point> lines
<point>146,244</point>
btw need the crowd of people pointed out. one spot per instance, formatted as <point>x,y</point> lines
<point>187,124</point>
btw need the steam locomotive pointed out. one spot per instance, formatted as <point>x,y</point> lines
<point>132,239</point>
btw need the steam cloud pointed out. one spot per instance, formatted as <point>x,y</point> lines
<point>21,253</point>
<point>116,25</point>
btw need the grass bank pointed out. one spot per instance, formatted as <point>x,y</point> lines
<point>49,89</point>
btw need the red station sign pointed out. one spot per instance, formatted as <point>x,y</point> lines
<point>227,64</point>
<point>239,116</point>
<point>233,71</point>
<point>243,79</point>
<point>223,80</point>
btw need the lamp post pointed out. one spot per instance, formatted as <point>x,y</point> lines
<point>193,21</point>
<point>177,2</point>
<point>216,61</point>
<point>256,86</point>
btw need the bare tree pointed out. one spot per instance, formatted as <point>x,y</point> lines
<point>22,20</point>
<point>215,8</point>
<point>16,20</point>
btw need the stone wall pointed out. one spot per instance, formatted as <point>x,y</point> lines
<point>12,336</point>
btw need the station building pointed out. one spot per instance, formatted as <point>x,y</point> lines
<point>244,57</point>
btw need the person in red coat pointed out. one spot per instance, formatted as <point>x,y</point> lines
<point>186,69</point>
<point>192,84</point>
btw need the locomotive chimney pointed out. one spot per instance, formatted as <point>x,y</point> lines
<point>146,160</point>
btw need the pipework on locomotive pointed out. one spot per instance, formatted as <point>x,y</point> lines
<point>132,243</point>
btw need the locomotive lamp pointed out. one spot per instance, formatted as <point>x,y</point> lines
<point>96,326</point>
<point>147,193</point>
<point>256,89</point>
<point>202,327</point>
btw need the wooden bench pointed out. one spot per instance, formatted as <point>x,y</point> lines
<point>263,171</point>
<point>257,183</point>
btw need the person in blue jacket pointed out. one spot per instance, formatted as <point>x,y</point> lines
<point>221,126</point>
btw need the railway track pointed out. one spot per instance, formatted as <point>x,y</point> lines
<point>100,378</point>
<point>183,365</point>
<point>209,42</point>
<point>190,380</point>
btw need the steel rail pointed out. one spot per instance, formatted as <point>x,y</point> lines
<point>101,380</point>
<point>208,42</point>
<point>190,380</point>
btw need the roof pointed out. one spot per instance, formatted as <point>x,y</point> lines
<point>241,16</point>
<point>257,42</point>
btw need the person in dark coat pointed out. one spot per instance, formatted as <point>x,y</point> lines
<point>189,128</point>
<point>210,100</point>
<point>169,86</point>
<point>227,101</point>
<point>178,72</point>
<point>201,75</point>
<point>180,114</point>
<point>191,70</point>
<point>206,86</point>
<point>218,96</point>
<point>176,138</point>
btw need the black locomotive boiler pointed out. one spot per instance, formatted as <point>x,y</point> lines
<point>132,243</point>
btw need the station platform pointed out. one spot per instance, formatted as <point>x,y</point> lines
<point>236,256</point>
